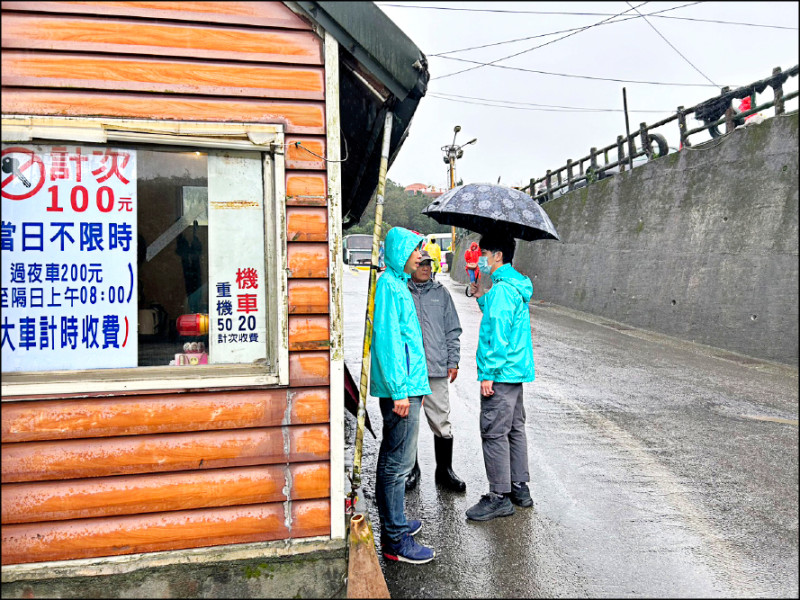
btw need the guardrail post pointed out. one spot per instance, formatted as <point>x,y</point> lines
<point>685,143</point>
<point>531,189</point>
<point>570,184</point>
<point>778,89</point>
<point>631,149</point>
<point>558,177</point>
<point>621,153</point>
<point>593,160</point>
<point>729,124</point>
<point>549,184</point>
<point>645,144</point>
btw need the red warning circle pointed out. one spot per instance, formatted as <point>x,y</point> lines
<point>21,165</point>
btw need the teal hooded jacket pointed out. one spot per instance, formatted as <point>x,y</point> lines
<point>505,345</point>
<point>398,368</point>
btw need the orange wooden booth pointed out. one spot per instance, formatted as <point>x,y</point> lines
<point>89,473</point>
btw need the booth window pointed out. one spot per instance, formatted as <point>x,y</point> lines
<point>121,256</point>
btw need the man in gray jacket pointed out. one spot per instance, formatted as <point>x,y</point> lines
<point>440,332</point>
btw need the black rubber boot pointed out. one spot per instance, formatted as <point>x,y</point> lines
<point>443,447</point>
<point>413,478</point>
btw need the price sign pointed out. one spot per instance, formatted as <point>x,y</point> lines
<point>69,270</point>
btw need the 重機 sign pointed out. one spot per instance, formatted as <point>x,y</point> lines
<point>69,270</point>
<point>236,273</point>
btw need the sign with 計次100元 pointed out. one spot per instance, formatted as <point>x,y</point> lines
<point>69,270</point>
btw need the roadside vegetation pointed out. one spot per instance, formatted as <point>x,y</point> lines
<point>399,209</point>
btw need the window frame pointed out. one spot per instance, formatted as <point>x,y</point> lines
<point>267,139</point>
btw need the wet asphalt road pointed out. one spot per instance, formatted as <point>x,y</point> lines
<point>659,468</point>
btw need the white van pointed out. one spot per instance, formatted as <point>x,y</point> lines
<point>357,250</point>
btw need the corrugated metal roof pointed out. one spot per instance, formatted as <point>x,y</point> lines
<point>375,41</point>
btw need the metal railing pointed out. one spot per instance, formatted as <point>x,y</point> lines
<point>713,112</point>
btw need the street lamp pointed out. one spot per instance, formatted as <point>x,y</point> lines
<point>451,153</point>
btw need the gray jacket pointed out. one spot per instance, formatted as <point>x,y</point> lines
<point>440,326</point>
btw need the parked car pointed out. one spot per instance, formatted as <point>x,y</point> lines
<point>357,250</point>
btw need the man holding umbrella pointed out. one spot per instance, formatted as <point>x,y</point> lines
<point>505,362</point>
<point>505,347</point>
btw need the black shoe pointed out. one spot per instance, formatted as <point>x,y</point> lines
<point>521,495</point>
<point>413,478</point>
<point>443,447</point>
<point>491,505</point>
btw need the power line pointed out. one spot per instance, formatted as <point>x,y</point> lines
<point>507,106</point>
<point>670,44</point>
<point>480,65</point>
<point>558,32</point>
<point>722,22</point>
<point>454,97</point>
<point>571,111</point>
<point>541,12</point>
<point>491,10</point>
<point>576,76</point>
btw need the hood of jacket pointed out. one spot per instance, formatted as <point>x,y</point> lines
<point>473,246</point>
<point>507,274</point>
<point>400,243</point>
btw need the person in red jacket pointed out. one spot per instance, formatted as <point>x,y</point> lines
<point>471,258</point>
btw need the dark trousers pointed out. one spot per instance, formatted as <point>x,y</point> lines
<point>505,445</point>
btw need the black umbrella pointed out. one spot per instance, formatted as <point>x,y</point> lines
<point>485,208</point>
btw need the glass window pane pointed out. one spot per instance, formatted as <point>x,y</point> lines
<point>75,297</point>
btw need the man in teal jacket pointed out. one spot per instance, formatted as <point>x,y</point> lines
<point>399,378</point>
<point>505,362</point>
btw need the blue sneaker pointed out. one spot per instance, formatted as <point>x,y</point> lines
<point>408,550</point>
<point>414,527</point>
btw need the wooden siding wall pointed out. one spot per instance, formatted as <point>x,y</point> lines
<point>106,476</point>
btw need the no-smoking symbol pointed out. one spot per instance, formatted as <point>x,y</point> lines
<point>23,173</point>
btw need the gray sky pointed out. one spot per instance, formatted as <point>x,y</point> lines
<point>519,143</point>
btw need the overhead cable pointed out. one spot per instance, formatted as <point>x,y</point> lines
<point>541,12</point>
<point>707,78</point>
<point>480,65</point>
<point>498,10</point>
<point>531,37</point>
<point>722,22</point>
<point>577,76</point>
<point>563,110</point>
<point>455,97</point>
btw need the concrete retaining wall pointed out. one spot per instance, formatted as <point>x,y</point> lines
<point>701,245</point>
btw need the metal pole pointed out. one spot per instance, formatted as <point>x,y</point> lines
<point>627,128</point>
<point>452,185</point>
<point>373,276</point>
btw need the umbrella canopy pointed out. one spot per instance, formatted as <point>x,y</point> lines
<point>487,208</point>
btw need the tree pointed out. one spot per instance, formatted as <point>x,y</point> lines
<point>399,210</point>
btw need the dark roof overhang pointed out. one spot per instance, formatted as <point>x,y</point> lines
<point>380,69</point>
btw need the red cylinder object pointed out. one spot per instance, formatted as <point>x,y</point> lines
<point>192,325</point>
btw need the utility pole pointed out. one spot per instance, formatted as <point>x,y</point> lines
<point>451,153</point>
